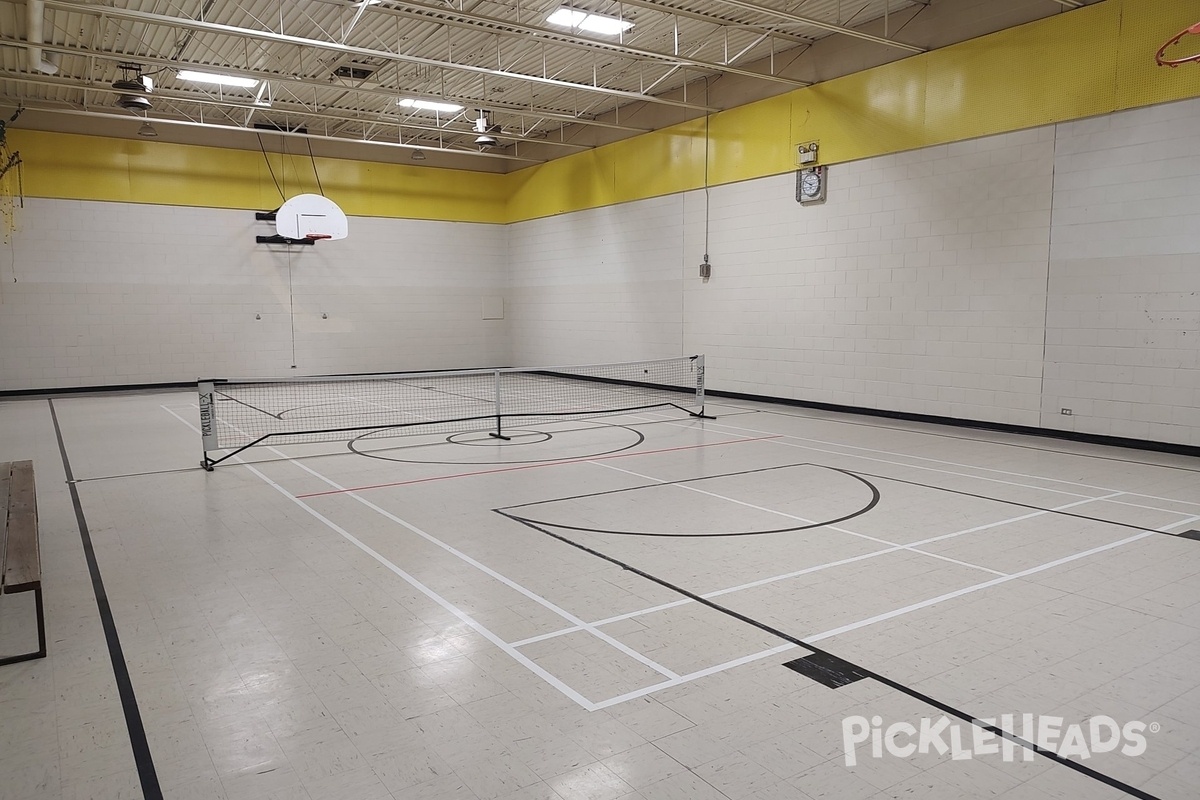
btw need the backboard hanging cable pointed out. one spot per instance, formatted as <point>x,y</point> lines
<point>316,174</point>
<point>267,158</point>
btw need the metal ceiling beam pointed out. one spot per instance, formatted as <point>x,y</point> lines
<point>719,21</point>
<point>503,27</point>
<point>1070,3</point>
<point>816,23</point>
<point>341,139</point>
<point>513,108</point>
<point>362,52</point>
<point>279,107</point>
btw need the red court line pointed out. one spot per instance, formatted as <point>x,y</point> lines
<point>532,466</point>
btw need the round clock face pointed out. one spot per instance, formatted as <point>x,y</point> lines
<point>810,184</point>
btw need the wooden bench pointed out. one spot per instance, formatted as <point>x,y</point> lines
<point>20,560</point>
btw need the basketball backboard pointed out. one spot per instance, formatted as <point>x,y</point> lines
<point>311,216</point>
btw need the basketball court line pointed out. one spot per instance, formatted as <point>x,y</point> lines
<point>868,673</point>
<point>964,437</point>
<point>790,641</point>
<point>516,468</point>
<point>797,573</point>
<point>466,618</point>
<point>877,540</point>
<point>614,643</point>
<point>780,437</point>
<point>947,463</point>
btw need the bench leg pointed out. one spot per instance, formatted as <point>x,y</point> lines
<point>41,624</point>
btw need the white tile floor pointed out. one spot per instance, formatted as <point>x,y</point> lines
<point>289,637</point>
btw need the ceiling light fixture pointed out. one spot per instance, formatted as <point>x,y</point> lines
<point>133,87</point>
<point>429,105</point>
<point>147,130</point>
<point>567,17</point>
<point>418,155</point>
<point>217,78</point>
<point>485,128</point>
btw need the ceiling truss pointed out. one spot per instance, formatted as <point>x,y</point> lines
<point>335,69</point>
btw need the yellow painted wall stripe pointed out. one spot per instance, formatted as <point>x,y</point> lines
<point>1089,61</point>
<point>72,166</point>
<point>1085,62</point>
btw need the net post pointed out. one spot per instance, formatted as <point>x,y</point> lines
<point>498,434</point>
<point>698,364</point>
<point>208,422</point>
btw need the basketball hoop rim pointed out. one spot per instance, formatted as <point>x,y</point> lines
<point>1193,30</point>
<point>316,236</point>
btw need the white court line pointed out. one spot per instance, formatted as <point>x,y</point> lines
<point>422,588</point>
<point>892,614</point>
<point>988,584</point>
<point>579,699</point>
<point>709,425</point>
<point>562,612</point>
<point>801,519</point>
<point>808,570</point>
<point>691,676</point>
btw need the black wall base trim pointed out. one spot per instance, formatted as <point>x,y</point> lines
<point>932,419</point>
<point>1003,427</point>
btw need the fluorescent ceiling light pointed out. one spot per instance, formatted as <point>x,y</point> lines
<point>429,105</point>
<point>213,77</point>
<point>586,21</point>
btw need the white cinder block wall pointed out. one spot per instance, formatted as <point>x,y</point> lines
<point>1123,324</point>
<point>95,293</point>
<point>598,285</point>
<point>999,279</point>
<point>918,286</point>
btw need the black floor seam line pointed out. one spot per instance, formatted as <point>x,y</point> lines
<point>133,717</point>
<point>892,684</point>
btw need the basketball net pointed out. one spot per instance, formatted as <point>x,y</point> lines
<point>12,192</point>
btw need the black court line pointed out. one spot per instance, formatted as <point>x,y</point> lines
<point>849,667</point>
<point>790,529</point>
<point>1030,506</point>
<point>133,717</point>
<point>639,438</point>
<point>950,423</point>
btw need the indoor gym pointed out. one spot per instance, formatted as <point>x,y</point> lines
<point>913,465</point>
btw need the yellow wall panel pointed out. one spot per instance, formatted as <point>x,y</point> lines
<point>371,189</point>
<point>1144,29</point>
<point>134,171</point>
<point>56,165</point>
<point>584,180</point>
<point>172,174</point>
<point>752,139</point>
<point>878,111</point>
<point>1056,69</point>
<point>664,162</point>
<point>1088,61</point>
<point>1076,64</point>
